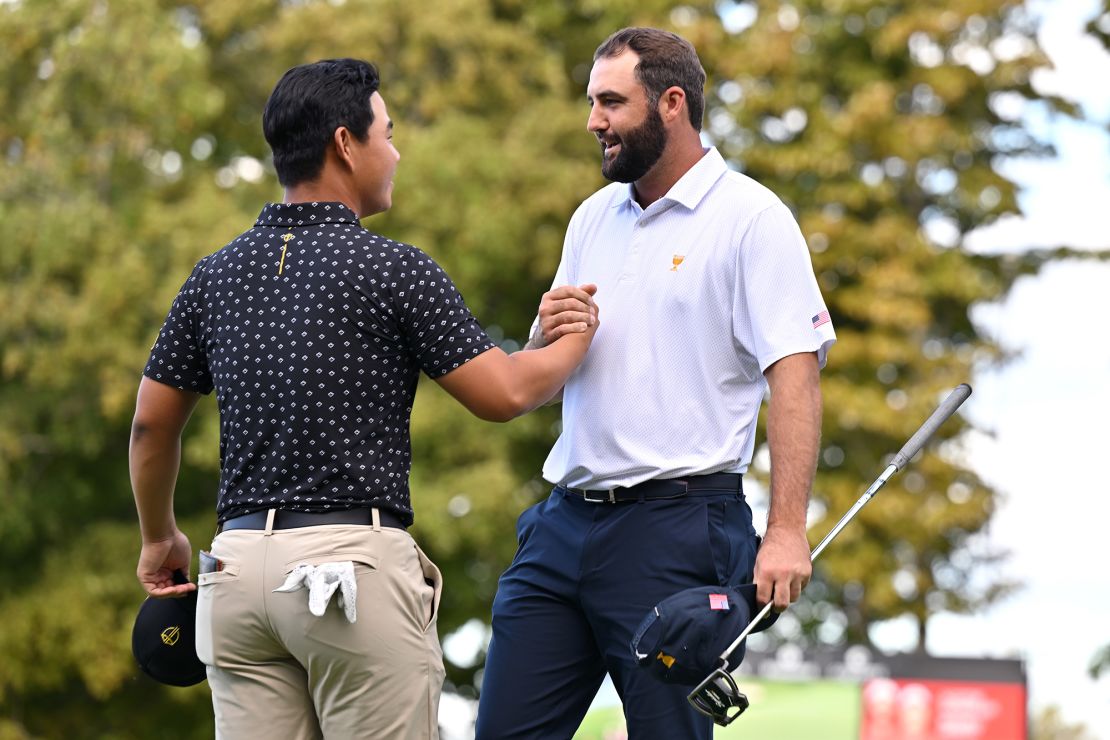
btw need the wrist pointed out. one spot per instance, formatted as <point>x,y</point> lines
<point>536,341</point>
<point>786,527</point>
<point>158,535</point>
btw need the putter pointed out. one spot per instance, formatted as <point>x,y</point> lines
<point>718,696</point>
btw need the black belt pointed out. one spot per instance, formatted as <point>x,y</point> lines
<point>292,519</point>
<point>715,484</point>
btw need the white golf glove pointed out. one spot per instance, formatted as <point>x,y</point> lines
<point>322,581</point>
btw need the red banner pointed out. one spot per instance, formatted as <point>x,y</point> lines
<point>926,709</point>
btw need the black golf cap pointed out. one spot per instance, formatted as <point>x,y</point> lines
<point>163,639</point>
<point>681,639</point>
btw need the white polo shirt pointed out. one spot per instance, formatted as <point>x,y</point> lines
<point>698,295</point>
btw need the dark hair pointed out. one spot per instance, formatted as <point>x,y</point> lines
<point>307,105</point>
<point>666,60</point>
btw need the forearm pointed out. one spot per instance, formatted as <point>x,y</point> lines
<point>542,371</point>
<point>154,459</point>
<point>536,342</point>
<point>499,387</point>
<point>793,435</point>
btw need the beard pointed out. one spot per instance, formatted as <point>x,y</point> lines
<point>641,148</point>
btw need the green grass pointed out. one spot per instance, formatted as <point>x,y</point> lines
<point>783,710</point>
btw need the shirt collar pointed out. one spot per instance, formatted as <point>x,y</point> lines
<point>304,214</point>
<point>690,188</point>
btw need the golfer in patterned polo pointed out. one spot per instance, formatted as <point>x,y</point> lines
<point>312,331</point>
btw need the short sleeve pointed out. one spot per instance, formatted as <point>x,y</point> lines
<point>442,334</point>
<point>178,357</point>
<point>779,309</point>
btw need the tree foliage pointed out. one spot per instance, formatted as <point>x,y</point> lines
<point>130,146</point>
<point>1049,724</point>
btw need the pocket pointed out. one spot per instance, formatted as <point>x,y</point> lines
<point>433,581</point>
<point>229,572</point>
<point>720,548</point>
<point>334,618</point>
<point>363,561</point>
<point>731,539</point>
<point>208,587</point>
<point>525,524</point>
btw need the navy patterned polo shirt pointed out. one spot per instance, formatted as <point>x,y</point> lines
<point>313,332</point>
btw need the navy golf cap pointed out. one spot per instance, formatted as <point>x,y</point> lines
<point>681,639</point>
<point>163,639</point>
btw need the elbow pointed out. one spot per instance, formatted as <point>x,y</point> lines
<point>506,405</point>
<point>499,416</point>
<point>506,400</point>
<point>161,413</point>
<point>148,429</point>
<point>520,403</point>
<point>140,429</point>
<point>506,409</point>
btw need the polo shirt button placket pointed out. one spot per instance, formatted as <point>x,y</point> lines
<point>632,258</point>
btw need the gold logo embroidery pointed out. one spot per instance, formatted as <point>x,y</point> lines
<point>171,635</point>
<point>285,238</point>
<point>676,260</point>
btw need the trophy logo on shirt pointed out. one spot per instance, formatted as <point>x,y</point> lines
<point>676,260</point>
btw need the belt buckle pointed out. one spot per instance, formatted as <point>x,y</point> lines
<point>610,499</point>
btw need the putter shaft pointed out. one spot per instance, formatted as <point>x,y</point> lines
<point>946,408</point>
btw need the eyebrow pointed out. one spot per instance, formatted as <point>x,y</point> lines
<point>607,95</point>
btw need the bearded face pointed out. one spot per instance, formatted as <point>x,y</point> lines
<point>626,157</point>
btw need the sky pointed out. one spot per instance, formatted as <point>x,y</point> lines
<point>1043,416</point>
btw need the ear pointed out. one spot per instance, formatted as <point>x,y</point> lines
<point>672,104</point>
<point>343,144</point>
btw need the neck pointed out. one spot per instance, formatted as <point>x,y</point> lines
<point>677,159</point>
<point>322,190</point>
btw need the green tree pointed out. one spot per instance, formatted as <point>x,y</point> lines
<point>1049,725</point>
<point>130,146</point>
<point>878,123</point>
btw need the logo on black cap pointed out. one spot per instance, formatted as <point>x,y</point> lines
<point>163,639</point>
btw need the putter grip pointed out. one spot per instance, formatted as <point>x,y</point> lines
<point>947,407</point>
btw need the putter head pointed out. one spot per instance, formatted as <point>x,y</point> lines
<point>719,698</point>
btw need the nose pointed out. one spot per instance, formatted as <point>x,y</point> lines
<point>597,122</point>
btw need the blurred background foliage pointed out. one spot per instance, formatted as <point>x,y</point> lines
<point>130,146</point>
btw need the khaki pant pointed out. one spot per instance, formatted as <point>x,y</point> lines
<point>278,672</point>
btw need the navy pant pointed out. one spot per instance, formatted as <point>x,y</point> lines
<point>583,578</point>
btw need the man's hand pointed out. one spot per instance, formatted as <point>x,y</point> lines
<point>157,562</point>
<point>782,566</point>
<point>564,310</point>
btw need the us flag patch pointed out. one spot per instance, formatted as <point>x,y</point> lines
<point>718,602</point>
<point>819,319</point>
